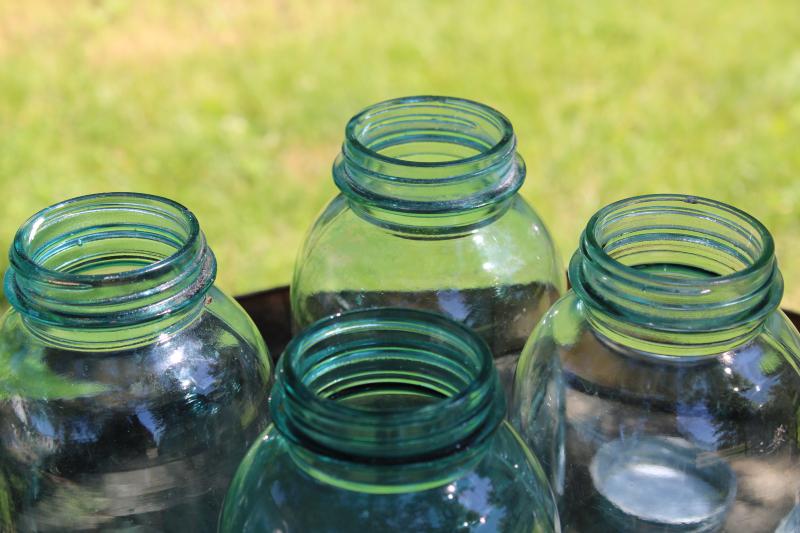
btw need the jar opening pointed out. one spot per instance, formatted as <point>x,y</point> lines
<point>428,155</point>
<point>100,236</point>
<point>391,385</point>
<point>108,259</point>
<point>430,131</point>
<point>680,238</point>
<point>676,263</point>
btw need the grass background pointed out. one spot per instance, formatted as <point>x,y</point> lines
<point>236,108</point>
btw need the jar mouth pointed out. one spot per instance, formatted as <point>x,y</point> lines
<point>108,260</point>
<point>471,130</point>
<point>436,158</point>
<point>756,250</point>
<point>29,249</point>
<point>393,385</point>
<point>677,263</point>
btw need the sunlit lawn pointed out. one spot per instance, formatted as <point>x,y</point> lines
<point>236,108</point>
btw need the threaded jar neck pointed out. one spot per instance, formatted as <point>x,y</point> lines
<point>675,271</point>
<point>108,261</point>
<point>387,387</point>
<point>430,156</point>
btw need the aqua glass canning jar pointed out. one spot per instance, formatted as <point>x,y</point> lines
<point>130,386</point>
<point>429,217</point>
<point>662,393</point>
<point>388,420</point>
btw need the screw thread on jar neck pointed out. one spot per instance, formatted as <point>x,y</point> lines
<point>387,388</point>
<point>100,271</point>
<point>429,162</point>
<point>676,275</point>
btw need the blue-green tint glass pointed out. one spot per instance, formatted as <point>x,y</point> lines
<point>388,420</point>
<point>429,218</point>
<point>663,392</point>
<point>130,387</point>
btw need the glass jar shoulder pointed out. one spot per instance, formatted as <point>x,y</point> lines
<point>342,245</point>
<point>560,327</point>
<point>505,491</point>
<point>240,330</point>
<point>565,343</point>
<point>498,278</point>
<point>216,349</point>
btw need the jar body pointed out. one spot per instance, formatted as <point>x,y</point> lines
<point>504,490</point>
<point>637,442</point>
<point>498,278</point>
<point>145,437</point>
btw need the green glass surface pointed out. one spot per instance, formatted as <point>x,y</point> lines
<point>429,217</point>
<point>130,387</point>
<point>388,420</point>
<point>662,393</point>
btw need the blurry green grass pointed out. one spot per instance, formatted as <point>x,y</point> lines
<point>237,108</point>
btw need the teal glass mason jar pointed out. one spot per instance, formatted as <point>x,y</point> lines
<point>131,387</point>
<point>662,393</point>
<point>388,421</point>
<point>429,217</point>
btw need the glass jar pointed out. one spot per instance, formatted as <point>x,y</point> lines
<point>131,387</point>
<point>662,393</point>
<point>429,218</point>
<point>388,420</point>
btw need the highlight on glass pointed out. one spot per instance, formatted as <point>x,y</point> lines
<point>388,420</point>
<point>131,387</point>
<point>661,392</point>
<point>429,217</point>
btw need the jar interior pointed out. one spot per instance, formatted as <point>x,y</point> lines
<point>392,385</point>
<point>663,273</point>
<point>429,132</point>
<point>105,236</point>
<point>381,374</point>
<point>679,239</point>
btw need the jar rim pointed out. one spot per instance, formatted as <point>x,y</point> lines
<point>20,253</point>
<point>599,254</point>
<point>501,145</point>
<point>150,262</point>
<point>335,324</point>
<point>446,159</point>
<point>699,273</point>
<point>479,400</point>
